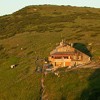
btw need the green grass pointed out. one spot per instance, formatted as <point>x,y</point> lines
<point>71,85</point>
<point>25,35</point>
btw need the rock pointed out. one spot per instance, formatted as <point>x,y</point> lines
<point>12,66</point>
<point>57,74</point>
<point>17,44</point>
<point>21,48</point>
<point>35,9</point>
<point>90,44</point>
<point>69,67</point>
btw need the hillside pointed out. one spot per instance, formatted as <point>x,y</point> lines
<point>33,32</point>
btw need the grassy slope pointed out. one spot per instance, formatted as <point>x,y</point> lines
<point>38,32</point>
<point>74,85</point>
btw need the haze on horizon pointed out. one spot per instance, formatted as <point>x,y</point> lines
<point>8,7</point>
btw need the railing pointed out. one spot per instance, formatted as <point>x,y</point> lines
<point>60,60</point>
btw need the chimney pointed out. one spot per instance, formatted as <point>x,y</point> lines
<point>62,43</point>
<point>71,44</point>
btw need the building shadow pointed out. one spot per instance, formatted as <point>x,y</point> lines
<point>82,47</point>
<point>93,90</point>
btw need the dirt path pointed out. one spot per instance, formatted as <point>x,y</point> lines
<point>42,90</point>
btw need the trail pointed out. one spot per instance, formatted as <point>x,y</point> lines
<point>42,90</point>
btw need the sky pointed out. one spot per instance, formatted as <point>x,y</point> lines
<point>10,6</point>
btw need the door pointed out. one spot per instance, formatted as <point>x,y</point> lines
<point>68,63</point>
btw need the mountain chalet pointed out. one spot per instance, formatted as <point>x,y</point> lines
<point>66,55</point>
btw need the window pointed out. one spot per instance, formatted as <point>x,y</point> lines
<point>57,57</point>
<point>55,63</point>
<point>75,57</point>
<point>66,57</point>
<point>79,57</point>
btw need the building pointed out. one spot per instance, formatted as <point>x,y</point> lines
<point>66,55</point>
